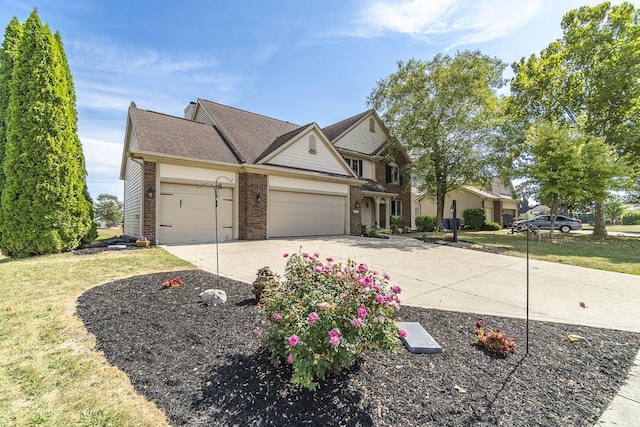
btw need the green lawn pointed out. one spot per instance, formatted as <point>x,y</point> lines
<point>611,253</point>
<point>107,233</point>
<point>50,373</point>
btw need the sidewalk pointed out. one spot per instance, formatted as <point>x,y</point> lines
<point>449,278</point>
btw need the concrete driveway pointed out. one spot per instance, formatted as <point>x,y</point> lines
<point>448,278</point>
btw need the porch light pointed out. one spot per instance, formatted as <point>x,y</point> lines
<point>357,205</point>
<point>150,192</point>
<point>258,198</point>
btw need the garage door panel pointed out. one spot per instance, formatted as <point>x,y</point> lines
<point>187,214</point>
<point>304,214</point>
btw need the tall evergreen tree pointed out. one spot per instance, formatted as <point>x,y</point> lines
<point>43,203</point>
<point>8,51</point>
<point>86,205</point>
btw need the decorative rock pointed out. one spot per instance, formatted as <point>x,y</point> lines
<point>214,296</point>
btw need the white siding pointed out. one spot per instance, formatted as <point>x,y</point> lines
<point>297,155</point>
<point>361,139</point>
<point>188,173</point>
<point>306,185</point>
<point>203,117</point>
<point>367,169</point>
<point>133,199</point>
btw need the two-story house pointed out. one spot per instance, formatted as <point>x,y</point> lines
<point>256,177</point>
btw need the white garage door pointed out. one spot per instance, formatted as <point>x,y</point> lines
<point>303,214</point>
<point>187,214</point>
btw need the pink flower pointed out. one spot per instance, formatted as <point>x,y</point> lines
<point>362,282</point>
<point>318,268</point>
<point>357,322</point>
<point>396,306</point>
<point>386,275</point>
<point>329,259</point>
<point>362,268</point>
<point>396,289</point>
<point>381,319</point>
<point>285,255</point>
<point>478,325</point>
<point>402,333</point>
<point>324,306</point>
<point>334,333</point>
<point>290,358</point>
<point>277,316</point>
<point>294,340</point>
<point>389,297</point>
<point>316,254</point>
<point>362,311</point>
<point>376,287</point>
<point>374,272</point>
<point>305,255</point>
<point>260,333</point>
<point>313,317</point>
<point>379,299</point>
<point>334,341</point>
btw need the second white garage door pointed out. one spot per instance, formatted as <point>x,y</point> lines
<point>187,214</point>
<point>303,214</point>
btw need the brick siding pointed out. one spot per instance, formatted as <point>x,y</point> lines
<point>149,206</point>
<point>355,219</point>
<point>253,213</point>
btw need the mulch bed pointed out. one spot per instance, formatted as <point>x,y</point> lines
<point>203,365</point>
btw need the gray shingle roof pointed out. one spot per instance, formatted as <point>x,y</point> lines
<point>251,134</point>
<point>336,129</point>
<point>174,136</point>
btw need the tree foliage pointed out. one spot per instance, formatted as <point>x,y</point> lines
<point>108,209</point>
<point>613,208</point>
<point>561,167</point>
<point>8,51</point>
<point>44,207</point>
<point>443,114</point>
<point>590,79</point>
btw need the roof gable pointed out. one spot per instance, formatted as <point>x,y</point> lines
<point>355,134</point>
<point>306,148</point>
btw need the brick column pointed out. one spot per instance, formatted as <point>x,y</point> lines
<point>253,212</point>
<point>149,205</point>
<point>355,215</point>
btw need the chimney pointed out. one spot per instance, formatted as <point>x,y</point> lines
<point>190,111</point>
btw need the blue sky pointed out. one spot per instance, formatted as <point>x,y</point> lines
<point>299,61</point>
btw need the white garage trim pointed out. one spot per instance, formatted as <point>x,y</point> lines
<point>293,213</point>
<point>186,213</point>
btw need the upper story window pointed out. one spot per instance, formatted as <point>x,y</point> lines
<point>393,174</point>
<point>372,125</point>
<point>355,165</point>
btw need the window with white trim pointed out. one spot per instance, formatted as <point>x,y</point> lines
<point>355,165</point>
<point>394,174</point>
<point>396,208</point>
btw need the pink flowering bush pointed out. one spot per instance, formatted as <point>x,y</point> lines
<point>324,315</point>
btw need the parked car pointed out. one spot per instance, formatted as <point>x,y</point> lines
<point>543,222</point>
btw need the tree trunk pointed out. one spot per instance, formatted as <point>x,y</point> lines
<point>554,214</point>
<point>599,230</point>
<point>440,197</point>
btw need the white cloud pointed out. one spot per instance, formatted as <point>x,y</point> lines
<point>103,165</point>
<point>449,22</point>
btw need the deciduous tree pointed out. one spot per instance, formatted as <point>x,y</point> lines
<point>590,79</point>
<point>562,167</point>
<point>109,209</point>
<point>443,112</point>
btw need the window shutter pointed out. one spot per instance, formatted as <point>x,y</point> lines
<point>401,180</point>
<point>388,174</point>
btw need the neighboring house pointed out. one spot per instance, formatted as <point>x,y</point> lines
<point>499,203</point>
<point>277,179</point>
